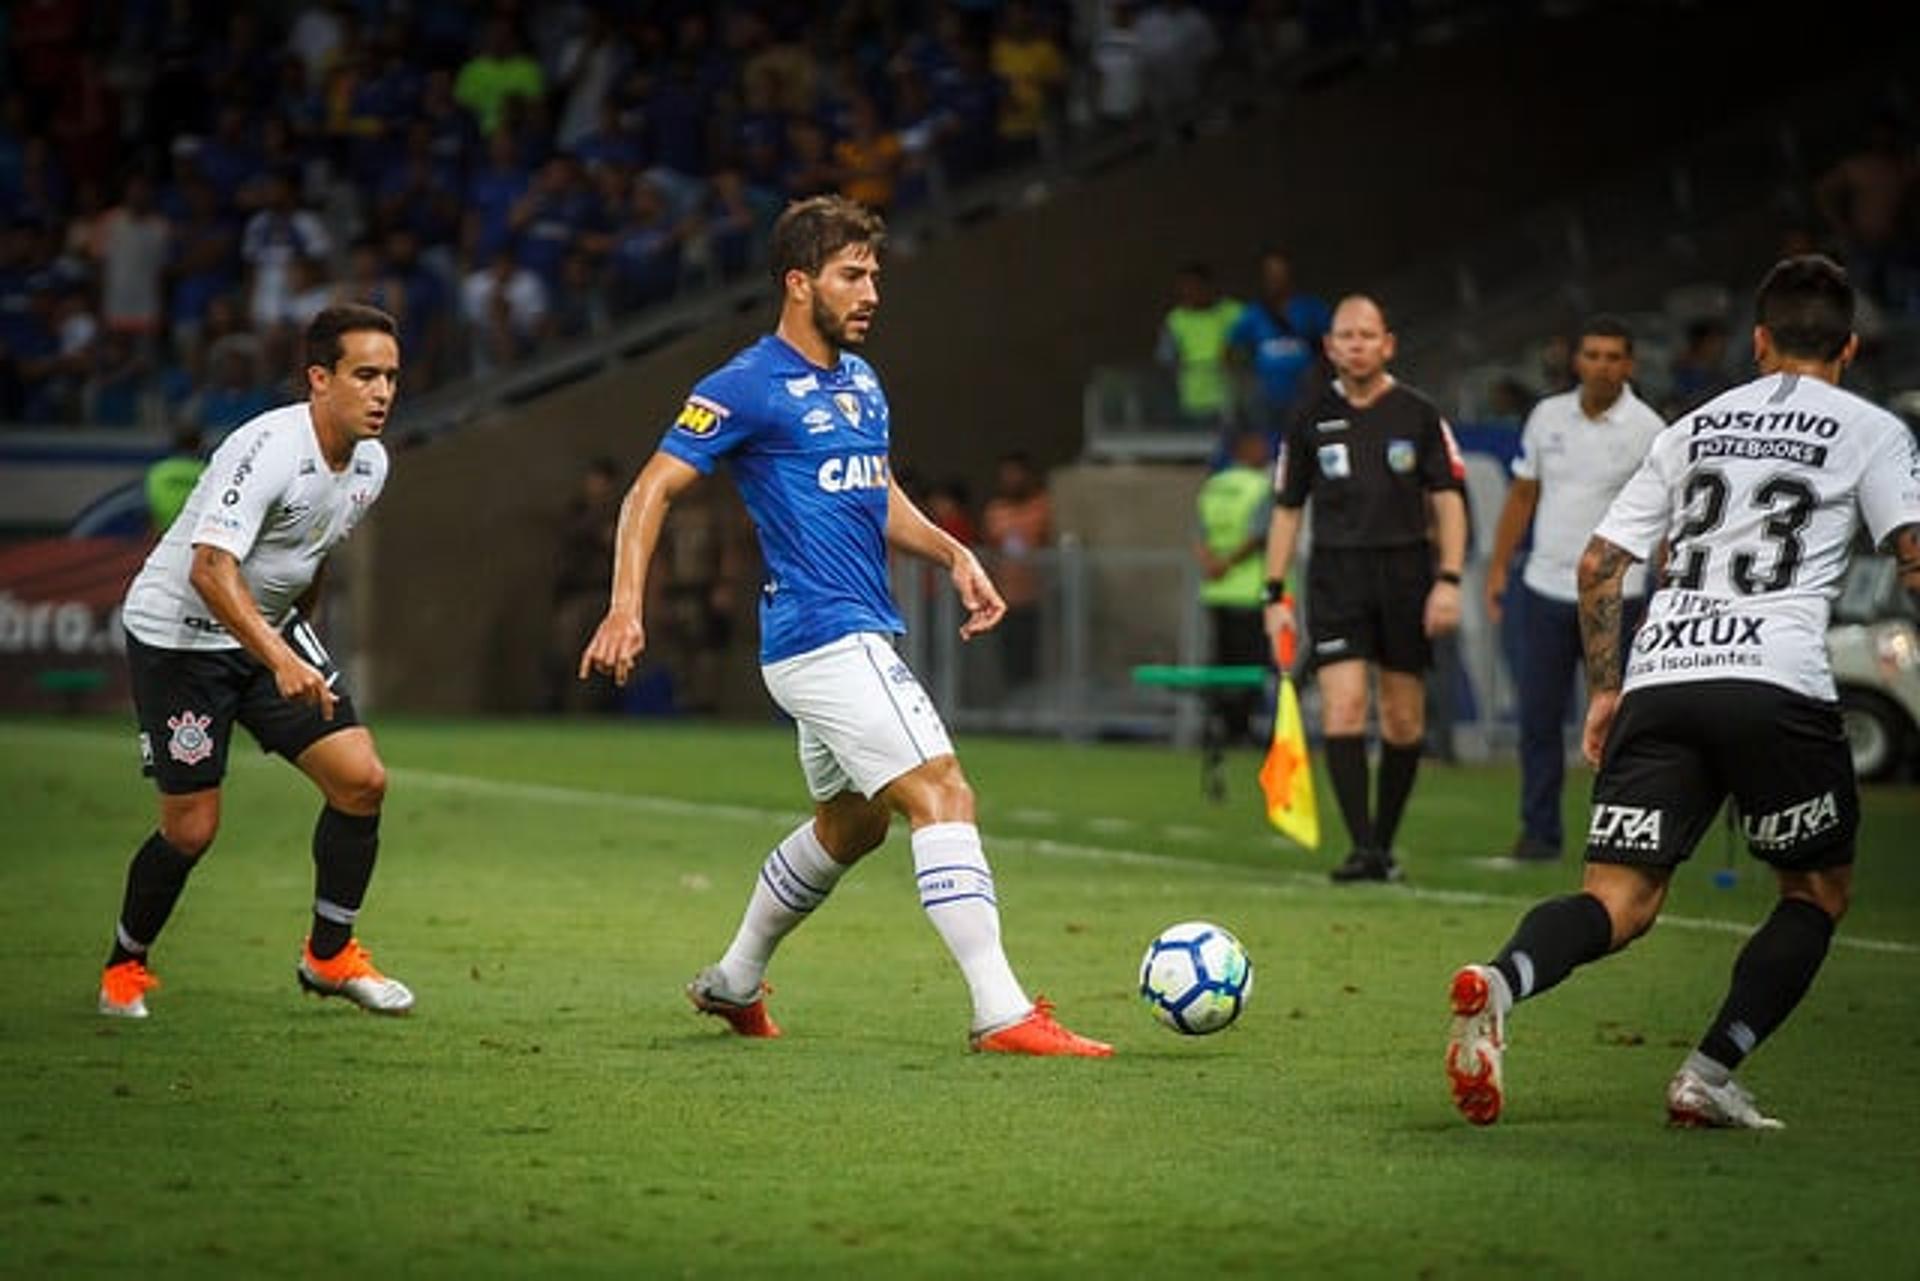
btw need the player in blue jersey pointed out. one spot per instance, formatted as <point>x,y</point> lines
<point>804,425</point>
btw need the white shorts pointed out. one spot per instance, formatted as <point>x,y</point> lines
<point>863,718</point>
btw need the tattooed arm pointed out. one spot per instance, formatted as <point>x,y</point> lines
<point>1603,569</point>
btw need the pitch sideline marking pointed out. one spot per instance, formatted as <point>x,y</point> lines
<point>558,794</point>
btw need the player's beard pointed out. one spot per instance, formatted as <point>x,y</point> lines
<point>833,328</point>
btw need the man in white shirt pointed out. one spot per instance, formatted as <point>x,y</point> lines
<point>217,636</point>
<point>1727,694</point>
<point>1576,452</point>
<point>506,308</point>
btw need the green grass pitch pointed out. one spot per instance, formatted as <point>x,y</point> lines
<point>554,1108</point>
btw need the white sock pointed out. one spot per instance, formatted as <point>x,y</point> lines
<point>956,889</point>
<point>796,878</point>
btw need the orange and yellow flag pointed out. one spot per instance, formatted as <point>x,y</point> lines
<point>1286,777</point>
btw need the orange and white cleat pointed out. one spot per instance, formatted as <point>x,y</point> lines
<point>1039,1034</point>
<point>351,974</point>
<point>748,1018</point>
<point>124,988</point>
<point>1477,1042</point>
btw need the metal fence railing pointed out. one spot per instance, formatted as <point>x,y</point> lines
<point>1062,665</point>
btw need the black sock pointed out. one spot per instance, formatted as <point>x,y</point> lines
<point>155,878</point>
<point>1347,766</point>
<point>1773,972</point>
<point>344,846</point>
<point>1398,765</point>
<point>1551,940</point>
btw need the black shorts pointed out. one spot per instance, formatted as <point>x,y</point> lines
<point>1370,603</point>
<point>187,701</point>
<point>1676,752</point>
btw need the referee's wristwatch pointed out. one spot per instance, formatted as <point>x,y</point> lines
<point>1275,591</point>
<point>1451,577</point>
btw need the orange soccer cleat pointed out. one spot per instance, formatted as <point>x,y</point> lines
<point>1039,1034</point>
<point>1475,1046</point>
<point>748,1018</point>
<point>351,974</point>
<point>124,988</point>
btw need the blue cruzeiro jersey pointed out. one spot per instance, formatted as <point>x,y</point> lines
<point>808,448</point>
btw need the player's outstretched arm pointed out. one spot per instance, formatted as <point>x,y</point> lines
<point>621,637</point>
<point>909,530</point>
<point>1603,573</point>
<point>216,576</point>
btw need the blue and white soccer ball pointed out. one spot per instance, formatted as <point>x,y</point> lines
<point>1196,977</point>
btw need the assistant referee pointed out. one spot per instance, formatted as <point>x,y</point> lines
<point>1389,540</point>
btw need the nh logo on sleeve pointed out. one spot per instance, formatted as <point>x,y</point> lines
<point>699,416</point>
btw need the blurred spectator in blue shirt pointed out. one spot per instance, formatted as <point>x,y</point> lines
<point>553,216</point>
<point>643,250</point>
<point>205,261</point>
<point>235,391</point>
<point>492,193</point>
<point>1278,336</point>
<point>610,143</point>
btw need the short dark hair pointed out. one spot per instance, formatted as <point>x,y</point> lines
<point>324,332</point>
<point>1806,305</point>
<point>813,230</point>
<point>1607,325</point>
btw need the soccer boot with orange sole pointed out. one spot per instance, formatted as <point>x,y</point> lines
<point>1037,1033</point>
<point>709,995</point>
<point>1476,1044</point>
<point>351,974</point>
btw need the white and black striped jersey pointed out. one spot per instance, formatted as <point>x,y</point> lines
<point>1759,493</point>
<point>268,497</point>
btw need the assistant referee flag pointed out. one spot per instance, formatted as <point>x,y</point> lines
<point>1286,777</point>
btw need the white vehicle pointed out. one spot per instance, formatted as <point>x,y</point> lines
<point>1875,650</point>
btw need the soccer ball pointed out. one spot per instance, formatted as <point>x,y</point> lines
<point>1196,977</point>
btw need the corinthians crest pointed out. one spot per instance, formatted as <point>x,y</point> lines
<point>849,406</point>
<point>189,743</point>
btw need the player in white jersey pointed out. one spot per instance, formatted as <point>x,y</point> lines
<point>1758,495</point>
<point>803,424</point>
<point>217,635</point>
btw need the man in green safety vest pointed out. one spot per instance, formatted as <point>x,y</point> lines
<point>1193,341</point>
<point>1234,509</point>
<point>169,481</point>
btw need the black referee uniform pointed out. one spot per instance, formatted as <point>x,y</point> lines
<point>1369,472</point>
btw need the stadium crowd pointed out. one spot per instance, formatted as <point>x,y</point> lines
<point>184,185</point>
